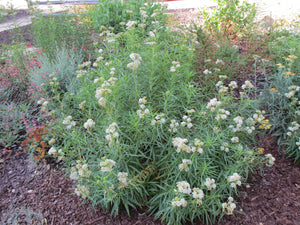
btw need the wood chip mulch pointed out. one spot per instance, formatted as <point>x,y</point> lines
<point>37,193</point>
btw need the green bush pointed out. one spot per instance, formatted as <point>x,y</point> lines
<point>231,18</point>
<point>136,130</point>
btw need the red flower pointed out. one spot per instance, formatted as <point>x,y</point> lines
<point>83,47</point>
<point>28,45</point>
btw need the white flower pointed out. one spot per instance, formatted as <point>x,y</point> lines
<point>206,72</point>
<point>270,159</point>
<point>185,165</point>
<point>89,124</point>
<point>233,85</point>
<point>52,151</point>
<point>235,140</point>
<point>234,180</point>
<point>180,143</point>
<point>135,57</point>
<point>122,177</point>
<point>130,25</point>
<point>179,202</point>
<point>247,85</point>
<point>82,104</point>
<point>210,183</point>
<point>220,61</point>
<point>52,141</point>
<point>107,165</point>
<point>151,33</point>
<point>198,193</point>
<point>183,187</point>
<point>82,191</point>
<point>102,101</point>
<point>229,206</point>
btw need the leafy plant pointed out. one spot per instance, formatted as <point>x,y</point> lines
<point>232,18</point>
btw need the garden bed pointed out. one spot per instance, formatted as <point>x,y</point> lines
<point>41,192</point>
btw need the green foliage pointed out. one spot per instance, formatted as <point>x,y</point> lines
<point>11,126</point>
<point>231,18</point>
<point>112,13</point>
<point>52,32</point>
<point>58,72</point>
<point>281,95</point>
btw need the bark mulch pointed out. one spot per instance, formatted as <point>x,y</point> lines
<point>40,193</point>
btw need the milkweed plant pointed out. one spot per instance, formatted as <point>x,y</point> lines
<point>135,129</point>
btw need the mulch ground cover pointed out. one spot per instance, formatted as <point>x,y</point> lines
<point>40,193</point>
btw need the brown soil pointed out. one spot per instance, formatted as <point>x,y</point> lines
<point>40,193</point>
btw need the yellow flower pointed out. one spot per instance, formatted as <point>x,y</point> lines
<point>286,58</point>
<point>260,150</point>
<point>280,65</point>
<point>289,73</point>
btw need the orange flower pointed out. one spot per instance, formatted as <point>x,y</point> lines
<point>293,57</point>
<point>273,89</point>
<point>289,73</point>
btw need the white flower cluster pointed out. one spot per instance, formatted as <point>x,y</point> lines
<point>235,139</point>
<point>224,147</point>
<point>258,116</point>
<point>210,184</point>
<point>207,72</point>
<point>198,194</point>
<point>80,73</point>
<point>186,122</point>
<point>173,126</point>
<point>136,58</point>
<point>107,165</point>
<point>82,191</point>
<point>185,165</point>
<point>82,104</point>
<point>232,85</point>
<point>180,143</point>
<point>111,133</point>
<point>222,89</point>
<point>298,144</point>
<point>104,90</point>
<point>175,65</point>
<point>68,121</point>
<point>177,202</point>
<point>143,111</point>
<point>292,91</point>
<point>239,125</point>
<point>89,124</point>
<point>222,114</point>
<point>270,159</point>
<point>82,169</point>
<point>247,85</point>
<point>220,61</point>
<point>234,180</point>
<point>229,206</point>
<point>199,144</point>
<point>294,126</point>
<point>183,187</point>
<point>79,171</point>
<point>212,104</point>
<point>143,12</point>
<point>159,119</point>
<point>130,25</point>
<point>54,152</point>
<point>84,64</point>
<point>122,177</point>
